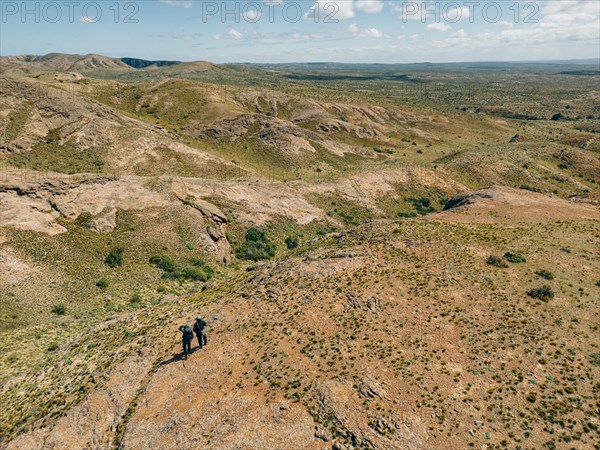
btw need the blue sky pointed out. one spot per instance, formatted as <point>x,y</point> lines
<point>305,30</point>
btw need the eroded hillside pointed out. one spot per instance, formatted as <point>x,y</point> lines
<point>377,272</point>
<point>392,335</point>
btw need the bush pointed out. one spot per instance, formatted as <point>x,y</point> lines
<point>531,397</point>
<point>291,242</point>
<point>422,205</point>
<point>59,310</point>
<point>514,257</point>
<point>163,262</point>
<point>102,283</point>
<point>172,271</point>
<point>496,261</point>
<point>135,298</point>
<point>256,247</point>
<point>545,274</point>
<point>405,215</point>
<point>194,273</point>
<point>544,293</point>
<point>115,257</point>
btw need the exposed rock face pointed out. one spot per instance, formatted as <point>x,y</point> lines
<point>211,213</point>
<point>105,222</point>
<point>35,204</point>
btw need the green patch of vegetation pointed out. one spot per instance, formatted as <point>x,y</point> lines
<point>59,310</point>
<point>115,257</point>
<point>421,204</point>
<point>199,271</point>
<point>545,274</point>
<point>256,247</point>
<point>544,293</point>
<point>52,156</point>
<point>406,215</point>
<point>291,242</point>
<point>515,257</point>
<point>16,122</point>
<point>102,283</point>
<point>136,298</point>
<point>595,359</point>
<point>496,261</point>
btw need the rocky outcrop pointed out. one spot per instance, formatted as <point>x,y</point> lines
<point>466,199</point>
<point>216,231</point>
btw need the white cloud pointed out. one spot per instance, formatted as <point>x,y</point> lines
<point>438,26</point>
<point>331,10</point>
<point>231,34</point>
<point>370,6</point>
<point>456,14</point>
<point>460,34</point>
<point>86,19</point>
<point>367,32</point>
<point>179,3</point>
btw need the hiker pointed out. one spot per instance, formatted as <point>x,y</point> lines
<point>187,337</point>
<point>200,330</point>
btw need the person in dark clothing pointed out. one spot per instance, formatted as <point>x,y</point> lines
<point>200,330</point>
<point>187,337</point>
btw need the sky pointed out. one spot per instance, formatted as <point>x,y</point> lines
<point>272,31</point>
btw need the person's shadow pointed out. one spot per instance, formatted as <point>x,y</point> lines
<point>177,357</point>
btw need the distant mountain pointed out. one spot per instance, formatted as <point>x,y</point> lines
<point>62,62</point>
<point>142,63</point>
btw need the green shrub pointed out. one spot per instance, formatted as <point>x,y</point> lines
<point>256,247</point>
<point>291,242</point>
<point>163,262</point>
<point>403,215</point>
<point>102,283</point>
<point>172,271</point>
<point>194,273</point>
<point>198,262</point>
<point>514,257</point>
<point>59,310</point>
<point>135,298</point>
<point>531,397</point>
<point>545,274</point>
<point>421,204</point>
<point>115,257</point>
<point>595,359</point>
<point>544,293</point>
<point>53,347</point>
<point>496,261</point>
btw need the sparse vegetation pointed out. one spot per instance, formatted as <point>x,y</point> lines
<point>515,258</point>
<point>496,261</point>
<point>256,247</point>
<point>544,293</point>
<point>545,274</point>
<point>198,271</point>
<point>102,283</point>
<point>291,242</point>
<point>59,310</point>
<point>115,257</point>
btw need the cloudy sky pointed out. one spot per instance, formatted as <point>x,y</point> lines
<point>306,30</point>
